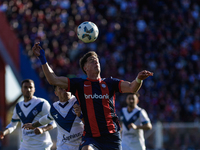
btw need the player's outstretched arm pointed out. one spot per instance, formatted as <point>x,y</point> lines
<point>134,86</point>
<point>3,133</point>
<point>49,73</point>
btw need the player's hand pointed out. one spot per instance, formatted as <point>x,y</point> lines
<point>36,49</point>
<point>132,125</point>
<point>38,131</point>
<point>144,74</point>
<point>77,110</point>
<point>28,126</point>
<point>1,135</point>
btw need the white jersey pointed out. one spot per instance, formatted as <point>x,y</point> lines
<point>70,127</point>
<point>29,112</point>
<point>133,139</point>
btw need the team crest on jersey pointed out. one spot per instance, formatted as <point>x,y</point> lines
<point>35,112</point>
<point>103,85</point>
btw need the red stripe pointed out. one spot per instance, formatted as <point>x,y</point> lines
<point>90,110</point>
<point>114,101</point>
<point>106,107</point>
<point>76,94</point>
<point>120,90</point>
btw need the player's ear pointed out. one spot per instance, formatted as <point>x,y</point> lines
<point>85,68</point>
<point>55,93</point>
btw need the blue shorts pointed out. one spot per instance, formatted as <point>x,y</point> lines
<point>105,142</point>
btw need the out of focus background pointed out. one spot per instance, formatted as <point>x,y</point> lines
<point>162,36</point>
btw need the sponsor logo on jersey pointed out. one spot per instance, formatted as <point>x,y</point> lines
<point>72,136</point>
<point>85,85</point>
<point>96,96</point>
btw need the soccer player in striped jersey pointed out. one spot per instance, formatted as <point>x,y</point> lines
<point>134,120</point>
<point>69,126</point>
<point>96,97</point>
<point>31,110</point>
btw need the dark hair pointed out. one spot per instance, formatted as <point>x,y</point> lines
<point>83,59</point>
<point>27,80</point>
<point>137,94</point>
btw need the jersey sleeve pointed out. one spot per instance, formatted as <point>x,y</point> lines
<point>116,84</point>
<point>14,122</point>
<point>47,120</point>
<point>144,117</point>
<point>46,108</point>
<point>73,84</point>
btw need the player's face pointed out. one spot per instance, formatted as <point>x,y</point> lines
<point>132,100</point>
<point>62,94</point>
<point>92,65</point>
<point>28,90</point>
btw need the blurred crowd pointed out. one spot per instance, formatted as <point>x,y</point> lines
<point>162,36</point>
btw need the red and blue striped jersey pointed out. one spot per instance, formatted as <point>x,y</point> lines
<point>97,101</point>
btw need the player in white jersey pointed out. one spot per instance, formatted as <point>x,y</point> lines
<point>30,110</point>
<point>69,125</point>
<point>134,120</point>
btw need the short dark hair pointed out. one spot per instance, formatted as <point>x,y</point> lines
<point>83,59</point>
<point>137,94</point>
<point>27,80</point>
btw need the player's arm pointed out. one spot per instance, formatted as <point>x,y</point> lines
<point>44,129</point>
<point>42,121</point>
<point>146,126</point>
<point>9,129</point>
<point>49,73</point>
<point>4,133</point>
<point>134,86</point>
<point>11,126</point>
<point>77,110</point>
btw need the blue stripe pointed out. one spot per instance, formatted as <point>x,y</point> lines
<point>145,122</point>
<point>131,120</point>
<point>34,112</point>
<point>15,120</point>
<point>64,122</point>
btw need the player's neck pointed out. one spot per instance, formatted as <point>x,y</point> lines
<point>62,101</point>
<point>130,109</point>
<point>94,76</point>
<point>27,99</point>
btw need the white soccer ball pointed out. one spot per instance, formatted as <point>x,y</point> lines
<point>87,32</point>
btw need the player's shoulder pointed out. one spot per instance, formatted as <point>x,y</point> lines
<point>111,79</point>
<point>124,109</point>
<point>41,100</point>
<point>55,104</point>
<point>138,108</point>
<point>19,104</point>
<point>72,99</point>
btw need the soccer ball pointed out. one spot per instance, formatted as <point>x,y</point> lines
<point>87,32</point>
